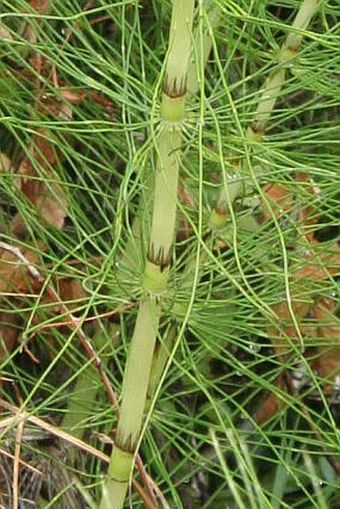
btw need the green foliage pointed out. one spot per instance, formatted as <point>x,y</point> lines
<point>95,99</point>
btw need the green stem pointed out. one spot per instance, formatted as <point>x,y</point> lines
<point>202,49</point>
<point>273,85</point>
<point>137,375</point>
<point>160,359</point>
<point>165,201</point>
<point>156,271</point>
<point>270,92</point>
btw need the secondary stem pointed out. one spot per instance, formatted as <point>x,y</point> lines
<point>270,92</point>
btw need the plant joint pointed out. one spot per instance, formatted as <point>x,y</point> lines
<point>256,131</point>
<point>156,276</point>
<point>173,108</point>
<point>174,88</point>
<point>218,219</point>
<point>287,54</point>
<point>121,463</point>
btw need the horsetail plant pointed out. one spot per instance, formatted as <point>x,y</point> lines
<point>211,299</point>
<point>179,78</point>
<point>268,96</point>
<point>157,264</point>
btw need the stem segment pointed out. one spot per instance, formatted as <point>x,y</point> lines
<point>156,271</point>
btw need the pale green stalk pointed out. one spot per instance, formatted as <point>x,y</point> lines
<point>201,51</point>
<point>138,367</point>
<point>271,91</point>
<point>160,359</point>
<point>202,44</point>
<point>275,82</point>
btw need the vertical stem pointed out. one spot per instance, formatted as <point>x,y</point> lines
<point>275,82</point>
<point>156,271</point>
<point>137,374</point>
<point>270,92</point>
<point>160,359</point>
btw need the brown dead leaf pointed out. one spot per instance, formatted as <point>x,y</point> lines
<point>285,327</point>
<point>270,404</point>
<point>279,198</point>
<point>5,35</point>
<point>13,280</point>
<point>312,266</point>
<point>72,96</point>
<point>41,6</point>
<point>327,364</point>
<point>9,332</point>
<point>317,266</point>
<point>41,189</point>
<point>307,213</point>
<point>13,275</point>
<point>70,292</point>
<point>16,281</point>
